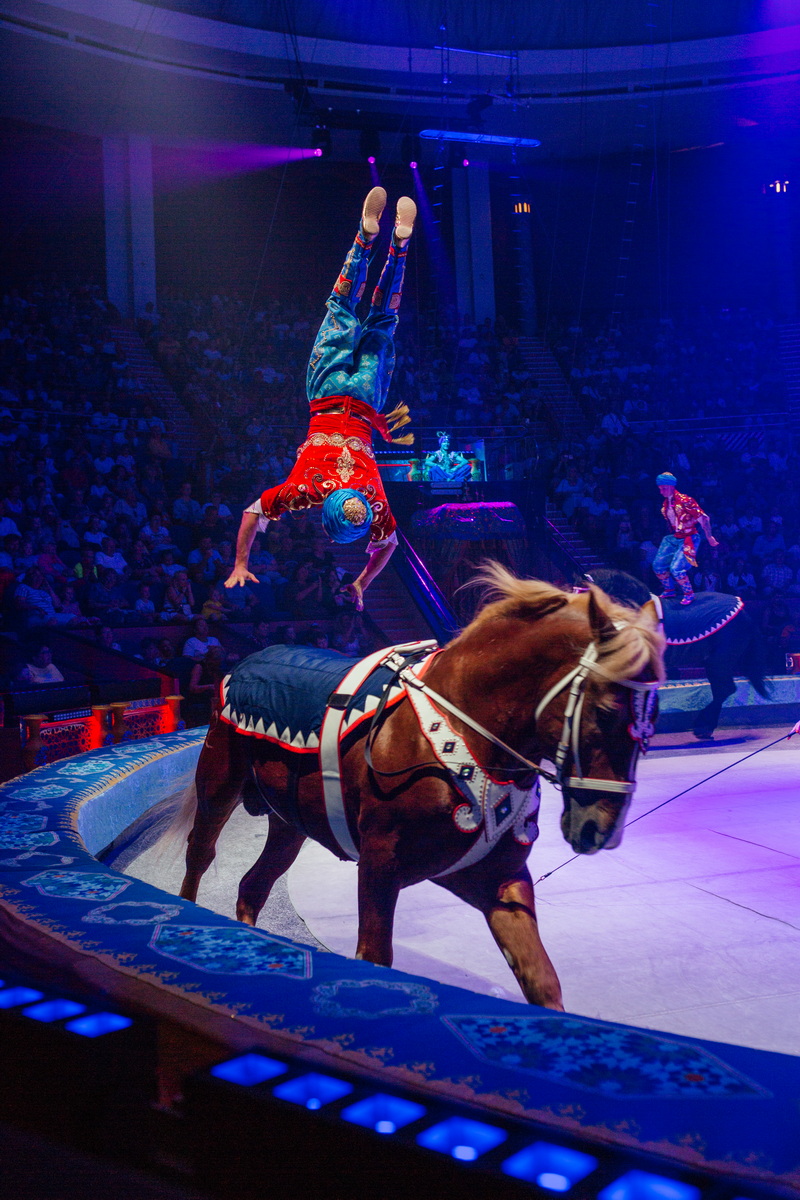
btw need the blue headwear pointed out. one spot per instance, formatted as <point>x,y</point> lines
<point>668,478</point>
<point>342,517</point>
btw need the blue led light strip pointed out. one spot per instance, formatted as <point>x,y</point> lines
<point>483,139</point>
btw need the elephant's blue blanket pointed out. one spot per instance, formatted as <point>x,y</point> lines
<point>708,612</point>
<point>281,694</point>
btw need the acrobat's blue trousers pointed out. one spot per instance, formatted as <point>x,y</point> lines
<point>351,359</point>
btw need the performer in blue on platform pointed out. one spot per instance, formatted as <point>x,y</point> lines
<point>678,549</point>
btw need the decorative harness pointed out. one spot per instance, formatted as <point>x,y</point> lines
<point>494,804</point>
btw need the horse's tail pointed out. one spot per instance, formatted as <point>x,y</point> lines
<point>754,662</point>
<point>173,840</point>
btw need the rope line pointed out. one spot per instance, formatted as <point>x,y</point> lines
<point>677,796</point>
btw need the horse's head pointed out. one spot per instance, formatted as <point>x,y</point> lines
<point>573,678</point>
<point>601,717</point>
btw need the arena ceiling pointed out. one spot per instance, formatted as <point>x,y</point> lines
<point>574,74</point>
<point>510,25</point>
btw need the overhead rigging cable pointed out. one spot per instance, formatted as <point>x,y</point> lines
<point>663,254</point>
<point>291,36</point>
<point>645,111</point>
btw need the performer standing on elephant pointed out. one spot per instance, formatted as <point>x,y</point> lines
<point>678,549</point>
<point>347,384</point>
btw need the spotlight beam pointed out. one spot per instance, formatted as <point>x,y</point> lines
<point>206,161</point>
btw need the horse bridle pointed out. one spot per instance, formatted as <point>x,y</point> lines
<point>641,729</point>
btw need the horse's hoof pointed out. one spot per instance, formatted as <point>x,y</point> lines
<point>703,736</point>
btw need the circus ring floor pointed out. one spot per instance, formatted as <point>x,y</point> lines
<point>692,926</point>
<point>689,928</point>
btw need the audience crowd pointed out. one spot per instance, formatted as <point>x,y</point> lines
<point>103,526</point>
<point>705,399</point>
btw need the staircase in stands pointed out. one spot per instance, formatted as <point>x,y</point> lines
<point>565,536</point>
<point>181,429</point>
<point>387,602</point>
<point>553,389</point>
<point>789,343</point>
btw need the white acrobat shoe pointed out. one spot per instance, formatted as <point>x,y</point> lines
<point>404,221</point>
<point>374,205</point>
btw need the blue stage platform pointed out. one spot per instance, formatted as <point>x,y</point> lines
<point>680,701</point>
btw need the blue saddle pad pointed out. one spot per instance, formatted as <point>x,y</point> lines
<point>708,612</point>
<point>281,693</point>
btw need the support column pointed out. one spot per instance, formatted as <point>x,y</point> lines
<point>143,238</point>
<point>130,231</point>
<point>115,201</point>
<point>523,257</point>
<point>472,222</point>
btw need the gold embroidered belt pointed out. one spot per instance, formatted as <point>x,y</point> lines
<point>345,463</point>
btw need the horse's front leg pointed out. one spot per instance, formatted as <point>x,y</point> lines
<point>510,913</point>
<point>378,889</point>
<point>512,920</point>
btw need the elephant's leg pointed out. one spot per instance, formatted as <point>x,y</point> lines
<point>722,685</point>
<point>510,912</point>
<point>280,850</point>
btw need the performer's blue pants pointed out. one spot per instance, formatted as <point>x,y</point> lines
<point>670,558</point>
<point>351,359</point>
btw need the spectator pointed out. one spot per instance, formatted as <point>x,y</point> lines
<point>201,641</point>
<point>106,640</point>
<point>304,594</point>
<point>109,556</point>
<point>206,557</point>
<point>107,600</point>
<point>766,544</point>
<point>71,605</point>
<point>150,654</point>
<point>167,567</point>
<point>141,568</point>
<point>741,581</point>
<point>204,682</point>
<point>40,668</point>
<point>51,565</point>
<point>179,599</point>
<point>777,575</point>
<point>144,607</point>
<point>186,510</point>
<point>38,603</point>
<point>260,637</point>
<point>85,570</point>
<point>94,531</point>
<point>216,607</point>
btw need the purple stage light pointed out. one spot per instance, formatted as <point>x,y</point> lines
<point>465,162</point>
<point>201,162</point>
<point>371,160</point>
<point>318,153</point>
<point>413,165</point>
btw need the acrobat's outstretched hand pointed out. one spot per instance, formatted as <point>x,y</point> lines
<point>239,576</point>
<point>355,592</point>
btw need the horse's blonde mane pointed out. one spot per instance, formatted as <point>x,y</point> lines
<point>636,643</point>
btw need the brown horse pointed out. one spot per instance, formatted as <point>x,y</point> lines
<point>539,674</point>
